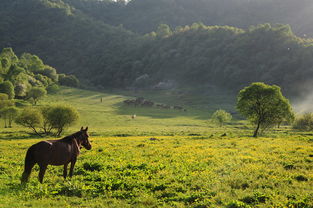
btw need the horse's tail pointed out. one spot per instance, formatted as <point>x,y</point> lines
<point>29,164</point>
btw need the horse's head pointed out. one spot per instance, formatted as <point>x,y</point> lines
<point>84,141</point>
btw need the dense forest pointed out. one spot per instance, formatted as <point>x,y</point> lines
<point>144,42</point>
<point>19,76</point>
<point>143,16</point>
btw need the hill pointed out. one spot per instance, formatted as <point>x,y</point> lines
<point>63,37</point>
<point>144,16</point>
<point>19,75</point>
<point>229,57</point>
<point>66,36</point>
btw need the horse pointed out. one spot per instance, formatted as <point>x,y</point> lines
<point>55,152</point>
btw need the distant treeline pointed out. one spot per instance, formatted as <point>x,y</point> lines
<point>66,36</point>
<point>143,16</point>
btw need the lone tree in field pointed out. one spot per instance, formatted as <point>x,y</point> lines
<point>264,105</point>
<point>30,118</point>
<point>59,117</point>
<point>221,117</point>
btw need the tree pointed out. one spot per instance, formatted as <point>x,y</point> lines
<point>164,31</point>
<point>53,89</point>
<point>70,80</point>
<point>7,88</point>
<point>304,122</point>
<point>20,90</point>
<point>50,72</point>
<point>9,114</point>
<point>30,118</point>
<point>4,101</point>
<point>36,93</point>
<point>58,118</point>
<point>221,117</point>
<point>264,106</point>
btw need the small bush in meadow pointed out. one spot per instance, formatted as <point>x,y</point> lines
<point>58,118</point>
<point>221,117</point>
<point>30,118</point>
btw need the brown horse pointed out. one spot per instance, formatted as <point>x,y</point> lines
<point>55,152</point>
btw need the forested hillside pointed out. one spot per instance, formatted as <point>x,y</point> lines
<point>62,36</point>
<point>21,75</point>
<point>79,37</point>
<point>144,16</point>
<point>231,57</point>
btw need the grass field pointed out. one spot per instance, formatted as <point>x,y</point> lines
<point>192,162</point>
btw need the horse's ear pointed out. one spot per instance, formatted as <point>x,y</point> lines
<point>82,128</point>
<point>86,128</point>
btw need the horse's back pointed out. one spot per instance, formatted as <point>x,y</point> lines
<point>51,152</point>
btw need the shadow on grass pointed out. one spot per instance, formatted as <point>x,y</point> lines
<point>157,113</point>
<point>18,135</point>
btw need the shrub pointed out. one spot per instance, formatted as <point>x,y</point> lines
<point>30,118</point>
<point>304,122</point>
<point>59,117</point>
<point>221,117</point>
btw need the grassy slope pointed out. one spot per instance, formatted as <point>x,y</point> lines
<point>176,170</point>
<point>112,117</point>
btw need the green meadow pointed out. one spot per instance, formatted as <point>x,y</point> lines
<point>163,158</point>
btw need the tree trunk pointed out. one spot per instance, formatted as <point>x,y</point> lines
<point>256,130</point>
<point>36,132</point>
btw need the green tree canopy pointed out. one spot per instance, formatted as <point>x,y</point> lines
<point>36,93</point>
<point>7,88</point>
<point>264,105</point>
<point>30,118</point>
<point>5,101</point>
<point>68,80</point>
<point>59,117</point>
<point>221,117</point>
<point>9,114</point>
<point>163,31</point>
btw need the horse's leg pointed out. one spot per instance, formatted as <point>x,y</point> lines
<point>29,164</point>
<point>72,167</point>
<point>43,168</point>
<point>27,171</point>
<point>65,170</point>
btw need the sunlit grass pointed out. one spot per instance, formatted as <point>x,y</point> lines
<point>173,171</point>
<point>190,163</point>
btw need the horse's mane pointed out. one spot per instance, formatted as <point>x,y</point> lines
<point>69,138</point>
